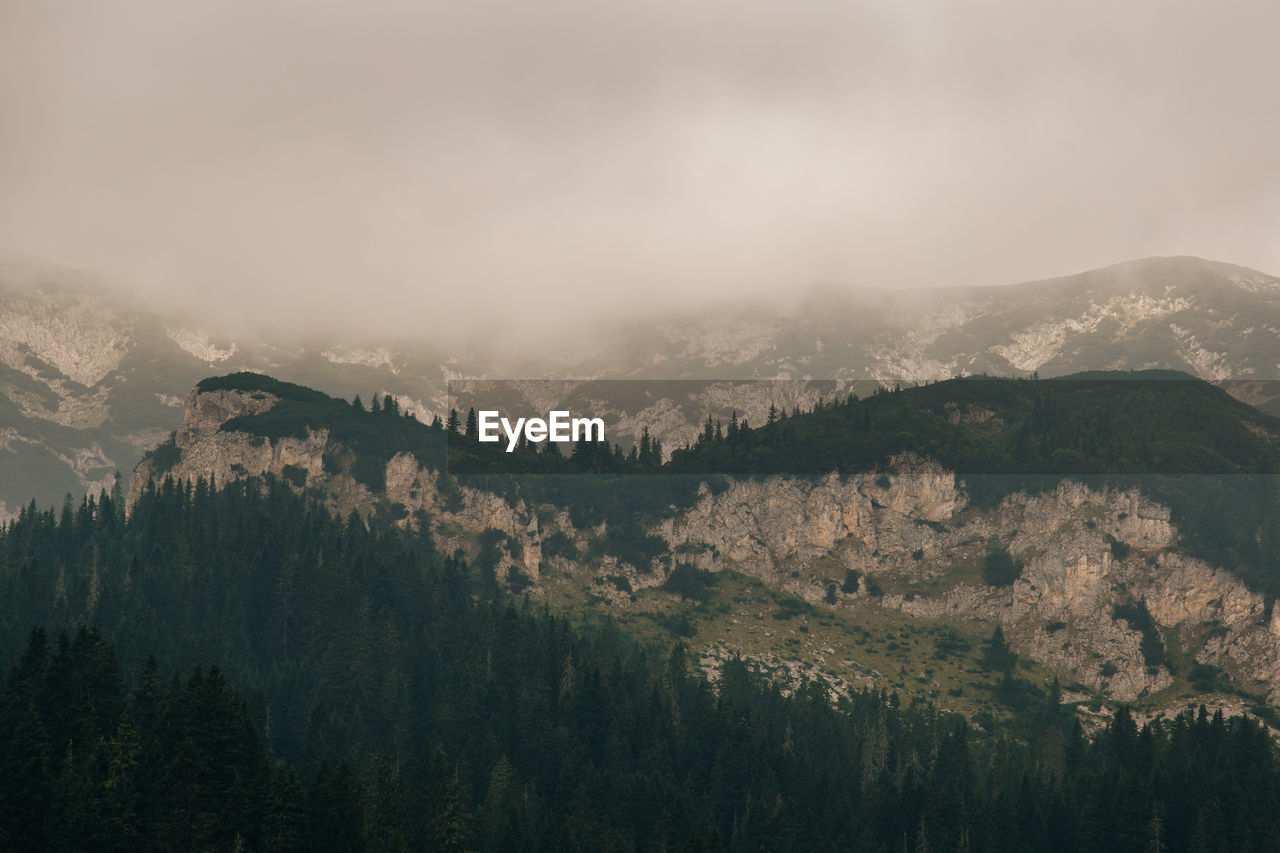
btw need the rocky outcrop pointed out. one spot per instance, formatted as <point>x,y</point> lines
<point>78,336</point>
<point>455,519</point>
<point>201,344</point>
<point>766,528</point>
<point>907,527</point>
<point>206,451</point>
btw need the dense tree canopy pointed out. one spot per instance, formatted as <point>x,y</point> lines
<point>471,721</point>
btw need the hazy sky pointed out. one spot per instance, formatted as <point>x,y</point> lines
<point>392,163</point>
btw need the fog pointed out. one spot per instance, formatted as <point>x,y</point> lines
<point>425,167</point>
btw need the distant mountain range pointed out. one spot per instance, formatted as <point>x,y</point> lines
<point>90,381</point>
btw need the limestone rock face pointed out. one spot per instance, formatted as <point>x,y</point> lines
<point>470,511</point>
<point>765,527</point>
<point>205,450</point>
<point>909,525</point>
<point>81,337</point>
<point>204,413</point>
<point>1182,591</point>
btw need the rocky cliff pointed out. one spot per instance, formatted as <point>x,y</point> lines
<point>203,449</point>
<point>206,451</point>
<point>908,528</point>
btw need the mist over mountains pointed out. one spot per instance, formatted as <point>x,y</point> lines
<point>89,381</point>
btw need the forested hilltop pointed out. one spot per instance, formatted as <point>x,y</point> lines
<point>472,721</point>
<point>1213,460</point>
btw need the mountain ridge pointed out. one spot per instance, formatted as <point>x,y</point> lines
<point>59,434</point>
<point>1101,587</point>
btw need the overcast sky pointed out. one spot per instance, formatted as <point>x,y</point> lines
<point>389,163</point>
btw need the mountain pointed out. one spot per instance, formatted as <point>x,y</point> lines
<point>820,613</point>
<point>1216,320</point>
<point>1134,563</point>
<point>460,718</point>
<point>90,380</point>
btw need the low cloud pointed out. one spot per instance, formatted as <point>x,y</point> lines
<point>416,167</point>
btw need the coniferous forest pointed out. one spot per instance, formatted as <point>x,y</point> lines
<point>833,426</point>
<point>237,669</point>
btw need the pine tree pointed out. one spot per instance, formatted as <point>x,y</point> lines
<point>1155,832</point>
<point>998,655</point>
<point>451,826</point>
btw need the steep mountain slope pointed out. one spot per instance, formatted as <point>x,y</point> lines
<point>89,381</point>
<point>895,574</point>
